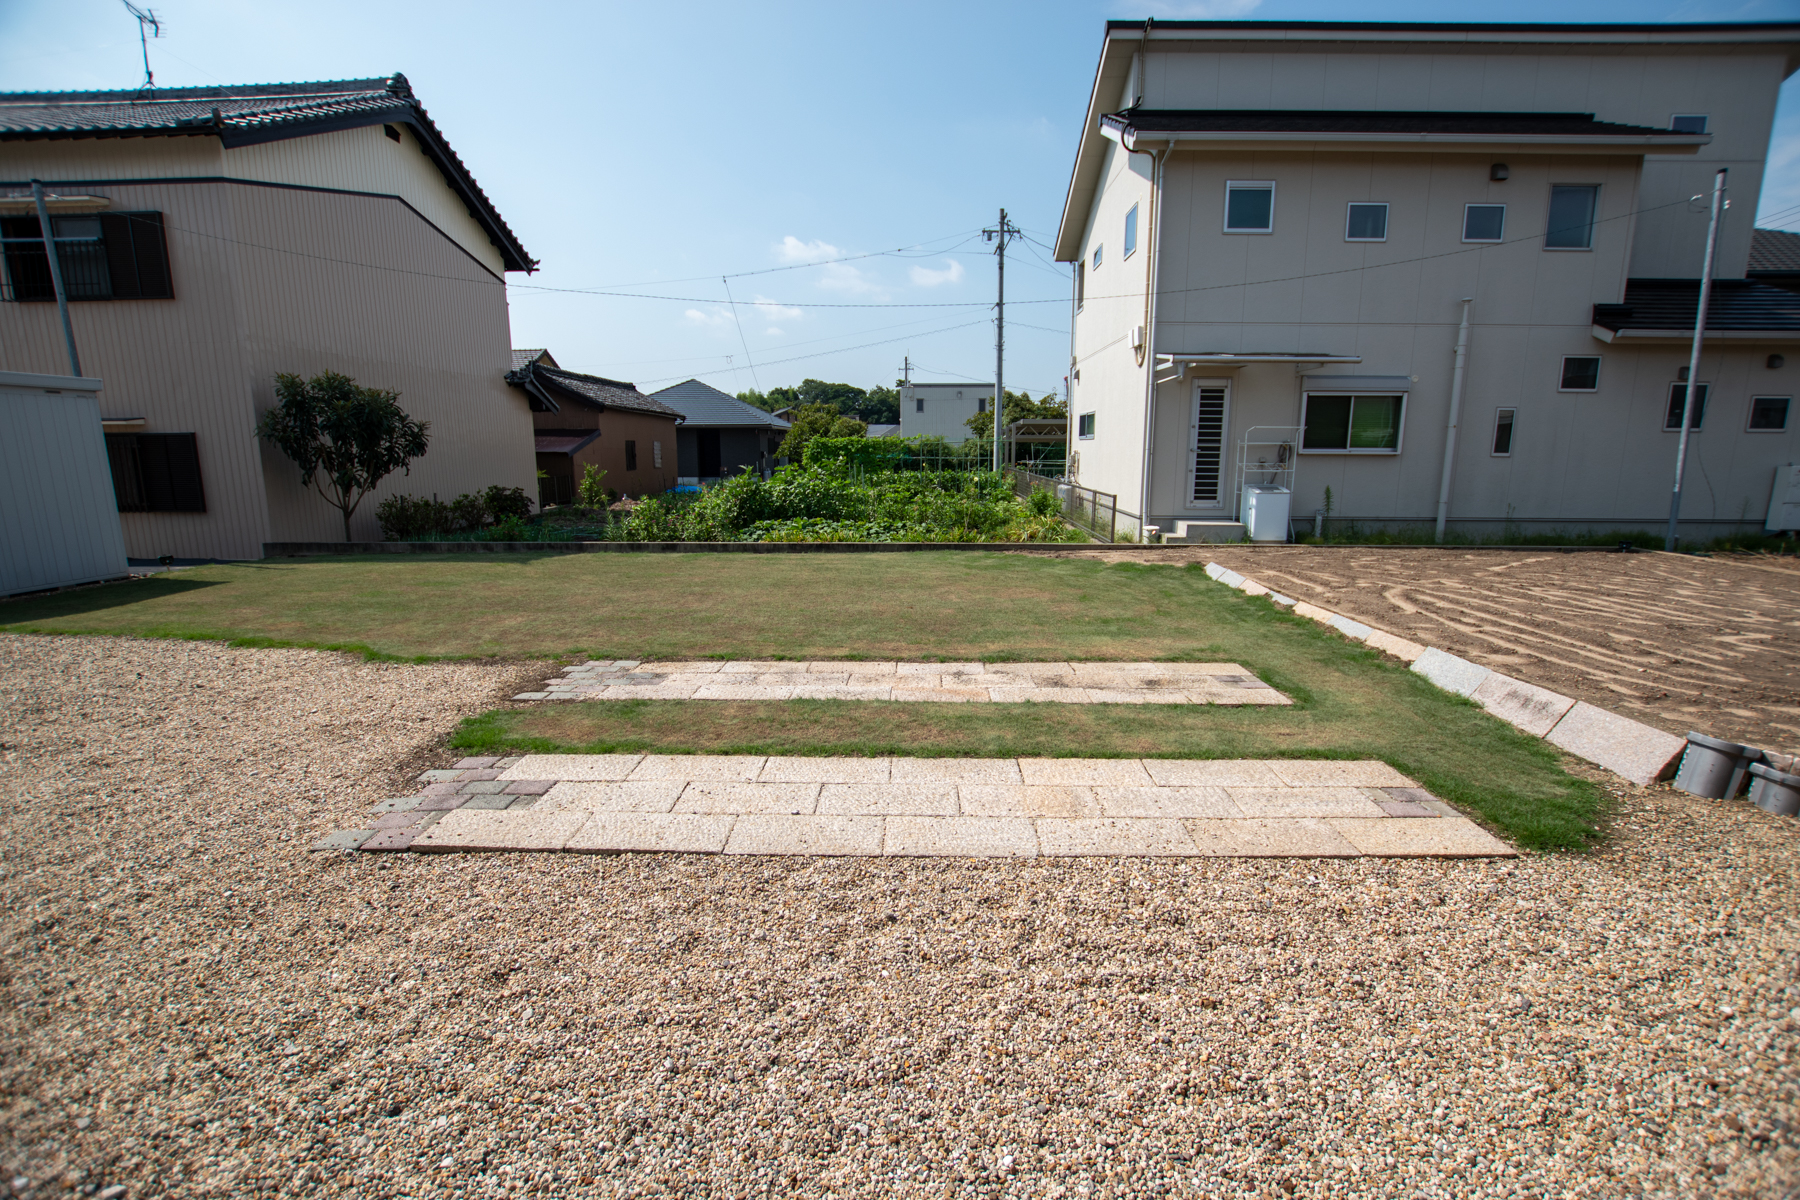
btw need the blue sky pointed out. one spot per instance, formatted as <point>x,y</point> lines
<point>653,149</point>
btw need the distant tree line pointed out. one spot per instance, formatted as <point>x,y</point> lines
<point>871,406</point>
<point>1019,406</point>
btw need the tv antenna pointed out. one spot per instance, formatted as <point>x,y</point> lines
<point>149,26</point>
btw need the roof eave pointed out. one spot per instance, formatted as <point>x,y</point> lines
<point>1109,75</point>
<point>1485,142</point>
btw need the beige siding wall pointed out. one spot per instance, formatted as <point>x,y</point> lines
<point>416,316</point>
<point>181,364</point>
<point>366,160</point>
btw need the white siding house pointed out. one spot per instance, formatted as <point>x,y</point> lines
<point>942,409</point>
<point>1274,227</point>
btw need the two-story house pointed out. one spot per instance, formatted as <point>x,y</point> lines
<point>213,237</point>
<point>1277,229</point>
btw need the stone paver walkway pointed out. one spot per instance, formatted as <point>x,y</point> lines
<point>973,682</point>
<point>1024,807</point>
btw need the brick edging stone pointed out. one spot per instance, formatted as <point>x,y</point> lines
<point>1629,749</point>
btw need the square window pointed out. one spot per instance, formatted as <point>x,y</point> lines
<point>1503,431</point>
<point>1131,231</point>
<point>1688,123</point>
<point>1249,207</point>
<point>1097,250</point>
<point>1484,222</point>
<point>1366,223</point>
<point>1084,425</point>
<point>1768,414</point>
<point>1571,224</point>
<point>1678,401</point>
<point>1352,424</point>
<point>1579,374</point>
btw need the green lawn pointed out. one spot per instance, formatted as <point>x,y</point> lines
<point>1350,701</point>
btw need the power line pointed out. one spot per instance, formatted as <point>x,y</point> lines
<point>742,340</point>
<point>847,349</point>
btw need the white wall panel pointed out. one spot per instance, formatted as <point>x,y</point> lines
<point>58,520</point>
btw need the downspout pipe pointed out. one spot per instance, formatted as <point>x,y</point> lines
<point>1456,391</point>
<point>1146,357</point>
<point>1693,374</point>
<point>56,278</point>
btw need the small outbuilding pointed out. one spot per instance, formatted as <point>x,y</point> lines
<point>720,434</point>
<point>58,523</point>
<point>584,420</point>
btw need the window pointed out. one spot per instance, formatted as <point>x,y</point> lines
<point>1131,231</point>
<point>1366,223</point>
<point>1209,448</point>
<point>1768,414</point>
<point>656,455</point>
<point>1484,222</point>
<point>1080,285</point>
<point>1249,207</point>
<point>1678,401</point>
<point>1503,431</point>
<point>392,134</point>
<point>155,472</point>
<point>1351,424</point>
<point>1579,374</point>
<point>1688,123</point>
<point>1097,250</point>
<point>108,256</point>
<point>630,455</point>
<point>1571,225</point>
<point>980,402</point>
<point>918,403</point>
<point>1084,427</point>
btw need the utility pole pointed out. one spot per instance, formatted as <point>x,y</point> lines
<point>1000,235</point>
<point>1689,401</point>
<point>56,279</point>
<point>905,372</point>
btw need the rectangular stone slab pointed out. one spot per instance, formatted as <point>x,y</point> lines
<point>1083,838</point>
<point>1445,837</point>
<point>1534,709</point>
<point>1297,772</point>
<point>1304,802</point>
<point>889,799</point>
<point>823,835</point>
<point>779,769</point>
<point>973,837</point>
<point>723,796</point>
<point>1396,646</point>
<point>1089,772</point>
<point>691,833</point>
<point>490,829</point>
<point>573,766</point>
<point>1625,747</point>
<point>739,768</point>
<point>1177,772</point>
<point>1449,672</point>
<point>1302,837</point>
<point>1016,800</point>
<point>651,795</point>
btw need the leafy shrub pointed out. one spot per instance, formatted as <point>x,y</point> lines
<point>413,518</point>
<point>1043,503</point>
<point>502,503</point>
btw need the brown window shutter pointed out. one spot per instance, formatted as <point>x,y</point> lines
<point>127,475</point>
<point>151,253</point>
<point>170,467</point>
<point>121,263</point>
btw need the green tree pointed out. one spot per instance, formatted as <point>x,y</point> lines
<point>1019,406</point>
<point>817,420</point>
<point>344,438</point>
<point>846,398</point>
<point>881,406</point>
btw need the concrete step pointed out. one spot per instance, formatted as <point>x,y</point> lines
<point>1197,533</point>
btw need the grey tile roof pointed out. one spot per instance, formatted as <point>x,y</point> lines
<point>1735,304</point>
<point>1774,250</point>
<point>588,391</point>
<point>250,114</point>
<point>524,358</point>
<point>1518,124</point>
<point>708,408</point>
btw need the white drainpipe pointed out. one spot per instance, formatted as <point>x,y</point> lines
<point>1456,389</point>
<point>1152,248</point>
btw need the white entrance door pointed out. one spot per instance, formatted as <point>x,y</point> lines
<point>1206,445</point>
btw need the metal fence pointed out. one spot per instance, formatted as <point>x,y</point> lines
<point>1094,513</point>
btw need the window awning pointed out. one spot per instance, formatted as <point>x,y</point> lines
<point>1171,367</point>
<point>1358,383</point>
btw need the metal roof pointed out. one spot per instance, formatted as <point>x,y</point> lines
<point>1774,250</point>
<point>562,443</point>
<point>1668,304</point>
<point>251,114</point>
<point>707,407</point>
<point>1477,124</point>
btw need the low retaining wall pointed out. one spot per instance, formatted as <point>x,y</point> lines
<point>309,549</point>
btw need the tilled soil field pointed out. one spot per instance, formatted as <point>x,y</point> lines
<point>1676,641</point>
<point>195,1006</point>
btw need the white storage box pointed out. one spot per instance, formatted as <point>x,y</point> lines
<point>1266,512</point>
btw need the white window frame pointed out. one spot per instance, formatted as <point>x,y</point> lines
<point>1080,284</point>
<point>1705,120</point>
<point>1592,220</point>
<point>1399,442</point>
<point>1483,241</point>
<point>1131,223</point>
<point>1787,420</point>
<point>1226,499</point>
<point>1381,204</point>
<point>656,455</point>
<point>1084,421</point>
<point>1562,370</point>
<point>1097,249</point>
<point>1232,185</point>
<point>1669,398</point>
<point>1511,416</point>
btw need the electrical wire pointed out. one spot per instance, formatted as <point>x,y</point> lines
<point>846,349</point>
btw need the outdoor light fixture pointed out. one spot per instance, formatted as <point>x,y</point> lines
<point>1776,362</point>
<point>1499,172</point>
<point>1681,375</point>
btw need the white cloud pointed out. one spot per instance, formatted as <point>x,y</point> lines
<point>842,277</point>
<point>773,332</point>
<point>717,318</point>
<point>926,277</point>
<point>793,250</point>
<point>776,311</point>
<point>1193,10</point>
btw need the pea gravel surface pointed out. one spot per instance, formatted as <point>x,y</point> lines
<point>196,1006</point>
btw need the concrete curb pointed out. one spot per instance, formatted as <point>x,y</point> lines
<point>311,549</point>
<point>1629,749</point>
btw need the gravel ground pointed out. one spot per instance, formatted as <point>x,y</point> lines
<point>197,1007</point>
